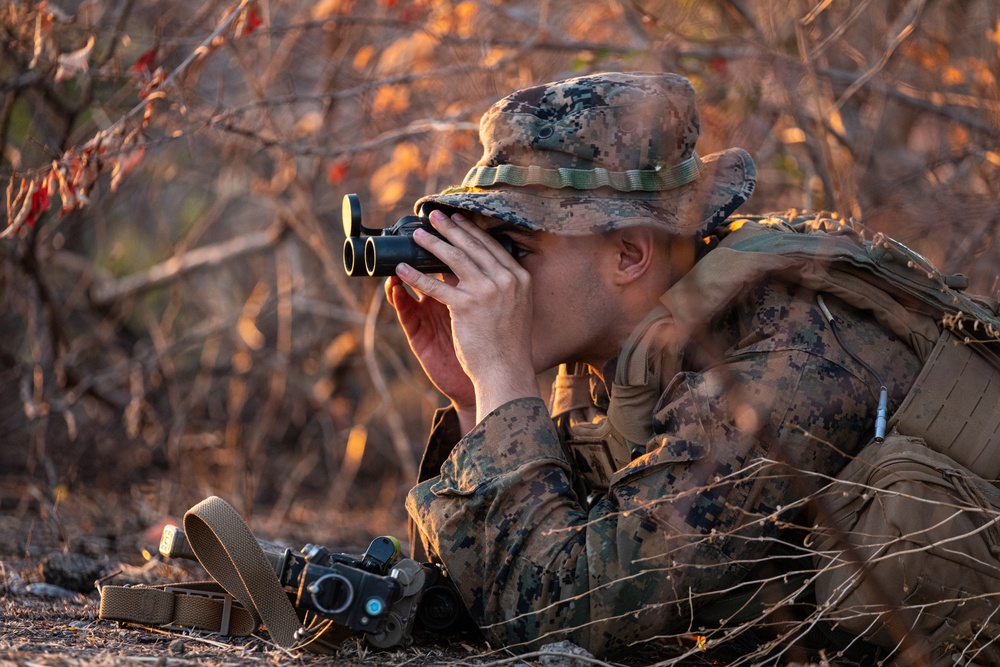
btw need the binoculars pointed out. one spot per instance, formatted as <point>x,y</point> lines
<point>376,252</point>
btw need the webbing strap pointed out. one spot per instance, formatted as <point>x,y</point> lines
<point>643,180</point>
<point>228,551</point>
<point>636,388</point>
<point>198,606</point>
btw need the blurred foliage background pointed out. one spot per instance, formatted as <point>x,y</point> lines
<point>175,317</point>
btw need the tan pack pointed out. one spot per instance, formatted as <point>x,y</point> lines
<point>908,555</point>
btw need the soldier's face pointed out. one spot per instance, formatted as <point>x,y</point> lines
<point>574,309</point>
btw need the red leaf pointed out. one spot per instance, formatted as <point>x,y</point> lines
<point>39,203</point>
<point>248,21</point>
<point>336,173</point>
<point>254,20</point>
<point>143,65</point>
<point>124,164</point>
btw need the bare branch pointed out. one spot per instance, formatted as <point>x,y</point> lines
<point>107,292</point>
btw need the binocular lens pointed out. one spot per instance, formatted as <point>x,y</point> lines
<point>353,252</point>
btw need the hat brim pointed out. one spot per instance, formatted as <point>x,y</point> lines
<point>727,181</point>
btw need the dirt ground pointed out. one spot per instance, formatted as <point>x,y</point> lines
<point>52,550</point>
<point>56,633</point>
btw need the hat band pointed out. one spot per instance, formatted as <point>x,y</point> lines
<point>647,180</point>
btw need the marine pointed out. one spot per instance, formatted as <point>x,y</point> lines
<point>706,395</point>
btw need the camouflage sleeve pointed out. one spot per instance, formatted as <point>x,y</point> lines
<point>445,433</point>
<point>684,521</point>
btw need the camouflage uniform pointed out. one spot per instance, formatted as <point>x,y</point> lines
<point>762,390</point>
<point>768,382</point>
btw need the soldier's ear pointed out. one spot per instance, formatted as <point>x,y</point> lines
<point>636,248</point>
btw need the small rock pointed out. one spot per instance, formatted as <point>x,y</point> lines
<point>15,584</point>
<point>177,647</point>
<point>73,571</point>
<point>79,625</point>
<point>560,654</point>
<point>51,591</point>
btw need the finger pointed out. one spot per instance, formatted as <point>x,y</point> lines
<point>486,241</point>
<point>390,287</point>
<point>454,248</point>
<point>461,233</point>
<point>426,285</point>
<point>397,295</point>
<point>466,249</point>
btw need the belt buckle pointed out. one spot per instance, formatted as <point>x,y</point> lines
<point>225,598</point>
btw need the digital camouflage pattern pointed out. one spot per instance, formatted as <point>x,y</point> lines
<point>767,406</point>
<point>600,152</point>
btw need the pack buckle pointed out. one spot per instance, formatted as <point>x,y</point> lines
<point>225,598</point>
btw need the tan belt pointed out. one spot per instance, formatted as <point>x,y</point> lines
<point>195,606</point>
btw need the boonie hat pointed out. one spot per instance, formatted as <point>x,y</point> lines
<point>601,152</point>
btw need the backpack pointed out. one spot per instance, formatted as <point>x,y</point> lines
<point>908,555</point>
<point>914,503</point>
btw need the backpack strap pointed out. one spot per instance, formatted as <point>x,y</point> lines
<point>638,379</point>
<point>227,549</point>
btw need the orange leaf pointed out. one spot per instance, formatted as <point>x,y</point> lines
<point>325,8</point>
<point>69,200</point>
<point>71,63</point>
<point>465,16</point>
<point>363,56</point>
<point>391,99</point>
<point>43,33</point>
<point>83,173</point>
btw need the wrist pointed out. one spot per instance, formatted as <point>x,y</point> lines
<point>493,394</point>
